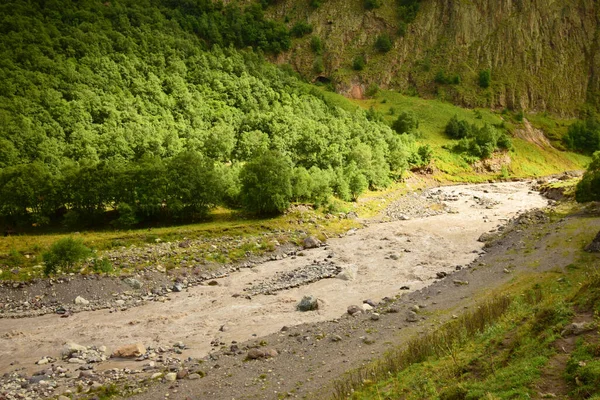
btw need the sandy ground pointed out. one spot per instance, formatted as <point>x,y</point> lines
<point>418,248</point>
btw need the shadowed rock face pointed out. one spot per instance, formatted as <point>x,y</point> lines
<point>542,54</point>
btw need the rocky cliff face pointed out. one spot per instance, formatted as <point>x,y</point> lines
<point>542,54</point>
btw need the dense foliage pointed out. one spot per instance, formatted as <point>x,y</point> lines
<point>384,43</point>
<point>588,189</point>
<point>123,107</point>
<point>406,122</point>
<point>485,78</point>
<point>584,136</point>
<point>476,142</point>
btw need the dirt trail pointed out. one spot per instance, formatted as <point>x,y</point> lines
<point>386,258</point>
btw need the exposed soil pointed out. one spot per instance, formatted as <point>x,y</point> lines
<point>218,323</point>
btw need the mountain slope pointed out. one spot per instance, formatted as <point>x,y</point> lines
<point>542,54</point>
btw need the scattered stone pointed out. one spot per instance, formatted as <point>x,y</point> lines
<point>130,351</point>
<point>366,307</point>
<point>370,302</point>
<point>156,375</point>
<point>348,273</point>
<point>394,256</point>
<point>415,308</point>
<point>178,287</point>
<point>353,309</point>
<point>311,242</point>
<point>43,361</point>
<point>134,283</point>
<point>80,300</point>
<point>308,303</point>
<point>375,317</point>
<point>368,340</point>
<point>171,377</point>
<point>412,317</point>
<point>404,288</point>
<point>351,215</point>
<point>336,338</point>
<point>193,377</point>
<point>181,374</point>
<point>459,282</point>
<point>577,328</point>
<point>255,354</point>
<point>441,274</point>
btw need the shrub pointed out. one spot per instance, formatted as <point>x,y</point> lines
<point>456,129</point>
<point>383,43</point>
<point>406,122</point>
<point>485,77</point>
<point>102,265</point>
<point>372,4</point>
<point>64,254</point>
<point>476,142</point>
<point>358,63</point>
<point>318,66</point>
<point>584,136</point>
<point>372,90</point>
<point>316,45</point>
<point>301,28</point>
<point>266,184</point>
<point>588,189</point>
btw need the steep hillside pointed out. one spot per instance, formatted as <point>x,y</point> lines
<point>542,54</point>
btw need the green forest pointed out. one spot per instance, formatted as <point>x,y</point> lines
<point>134,111</point>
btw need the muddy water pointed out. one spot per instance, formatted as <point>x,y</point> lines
<point>418,248</point>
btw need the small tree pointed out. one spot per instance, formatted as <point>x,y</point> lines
<point>316,45</point>
<point>266,184</point>
<point>584,136</point>
<point>64,254</point>
<point>588,189</point>
<point>406,122</point>
<point>359,62</point>
<point>372,4</point>
<point>383,43</point>
<point>485,77</point>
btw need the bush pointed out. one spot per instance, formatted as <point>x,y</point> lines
<point>407,10</point>
<point>372,4</point>
<point>456,129</point>
<point>584,136</point>
<point>102,265</point>
<point>266,184</point>
<point>476,142</point>
<point>300,29</point>
<point>318,66</point>
<point>358,63</point>
<point>406,122</point>
<point>588,189</point>
<point>485,77</point>
<point>383,43</point>
<point>64,254</point>
<point>316,45</point>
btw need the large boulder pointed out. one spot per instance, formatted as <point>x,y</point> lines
<point>308,303</point>
<point>130,351</point>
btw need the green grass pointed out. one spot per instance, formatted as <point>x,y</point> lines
<point>505,357</point>
<point>527,159</point>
